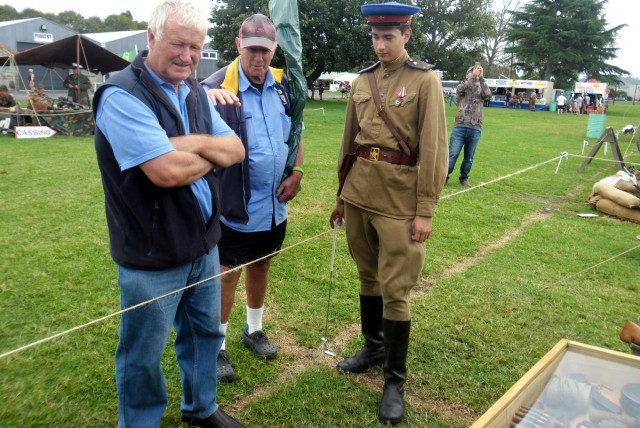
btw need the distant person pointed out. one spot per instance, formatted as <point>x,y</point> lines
<point>468,123</point>
<point>7,102</point>
<point>38,100</point>
<point>586,103</point>
<point>320,90</point>
<point>562,103</point>
<point>532,100</point>
<point>32,80</point>
<point>579,101</point>
<point>343,90</point>
<point>452,98</point>
<point>519,100</point>
<point>78,86</point>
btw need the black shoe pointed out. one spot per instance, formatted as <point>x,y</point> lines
<point>259,343</point>
<point>225,370</point>
<point>218,419</point>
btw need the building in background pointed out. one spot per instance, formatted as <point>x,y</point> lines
<point>23,34</point>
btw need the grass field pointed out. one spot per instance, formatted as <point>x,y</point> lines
<point>511,269</point>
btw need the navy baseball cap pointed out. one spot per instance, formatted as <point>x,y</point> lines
<point>390,14</point>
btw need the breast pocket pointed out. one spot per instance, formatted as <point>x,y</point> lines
<point>361,101</point>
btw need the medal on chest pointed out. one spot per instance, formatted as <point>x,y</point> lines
<point>400,95</point>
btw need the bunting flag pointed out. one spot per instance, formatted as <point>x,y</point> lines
<point>130,54</point>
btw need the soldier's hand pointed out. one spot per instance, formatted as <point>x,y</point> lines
<point>337,216</point>
<point>421,229</point>
<point>224,97</point>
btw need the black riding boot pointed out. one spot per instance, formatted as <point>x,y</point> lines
<point>396,343</point>
<point>372,353</point>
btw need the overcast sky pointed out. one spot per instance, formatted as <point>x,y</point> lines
<point>617,12</point>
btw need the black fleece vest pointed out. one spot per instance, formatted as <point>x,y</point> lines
<point>152,227</point>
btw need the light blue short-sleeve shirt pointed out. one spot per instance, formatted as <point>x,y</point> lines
<point>136,136</point>
<point>268,130</point>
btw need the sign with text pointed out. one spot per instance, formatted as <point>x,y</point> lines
<point>42,37</point>
<point>34,132</point>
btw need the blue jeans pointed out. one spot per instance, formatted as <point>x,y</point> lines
<point>463,137</point>
<point>144,334</point>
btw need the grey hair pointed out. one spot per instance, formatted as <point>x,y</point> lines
<point>186,12</point>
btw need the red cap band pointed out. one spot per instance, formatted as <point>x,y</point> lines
<point>389,19</point>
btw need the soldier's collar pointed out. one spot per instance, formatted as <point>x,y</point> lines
<point>396,63</point>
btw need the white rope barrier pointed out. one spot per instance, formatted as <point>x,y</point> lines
<point>603,159</point>
<point>499,179</point>
<point>594,266</point>
<point>564,155</point>
<point>315,109</point>
<point>130,308</point>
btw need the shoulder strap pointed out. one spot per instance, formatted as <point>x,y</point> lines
<point>383,114</point>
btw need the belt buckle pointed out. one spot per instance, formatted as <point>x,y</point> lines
<point>374,153</point>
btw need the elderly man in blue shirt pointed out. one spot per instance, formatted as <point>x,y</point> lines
<point>158,140</point>
<point>253,98</point>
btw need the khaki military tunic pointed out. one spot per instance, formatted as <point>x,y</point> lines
<point>382,199</point>
<point>412,98</point>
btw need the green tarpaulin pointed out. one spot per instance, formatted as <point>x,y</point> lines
<point>284,14</point>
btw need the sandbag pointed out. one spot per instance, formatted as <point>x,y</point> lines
<point>624,181</point>
<point>628,187</point>
<point>609,207</point>
<point>620,197</point>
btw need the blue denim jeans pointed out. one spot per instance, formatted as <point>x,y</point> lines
<point>463,137</point>
<point>144,334</point>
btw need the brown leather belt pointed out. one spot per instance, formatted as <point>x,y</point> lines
<point>391,156</point>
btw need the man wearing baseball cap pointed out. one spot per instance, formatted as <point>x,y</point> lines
<point>395,129</point>
<point>253,98</point>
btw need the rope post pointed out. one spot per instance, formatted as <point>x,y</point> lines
<point>563,155</point>
<point>585,143</point>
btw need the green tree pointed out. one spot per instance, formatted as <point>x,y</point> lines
<point>493,39</point>
<point>120,23</point>
<point>8,13</point>
<point>562,39</point>
<point>447,34</point>
<point>72,20</point>
<point>335,36</point>
<point>75,21</point>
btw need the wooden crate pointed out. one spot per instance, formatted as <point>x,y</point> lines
<point>608,370</point>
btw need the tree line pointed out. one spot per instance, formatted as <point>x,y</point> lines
<point>76,22</point>
<point>559,40</point>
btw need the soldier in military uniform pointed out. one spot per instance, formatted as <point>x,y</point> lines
<point>6,99</point>
<point>389,197</point>
<point>78,86</point>
<point>38,99</point>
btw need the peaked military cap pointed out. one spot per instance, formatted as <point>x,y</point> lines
<point>390,14</point>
